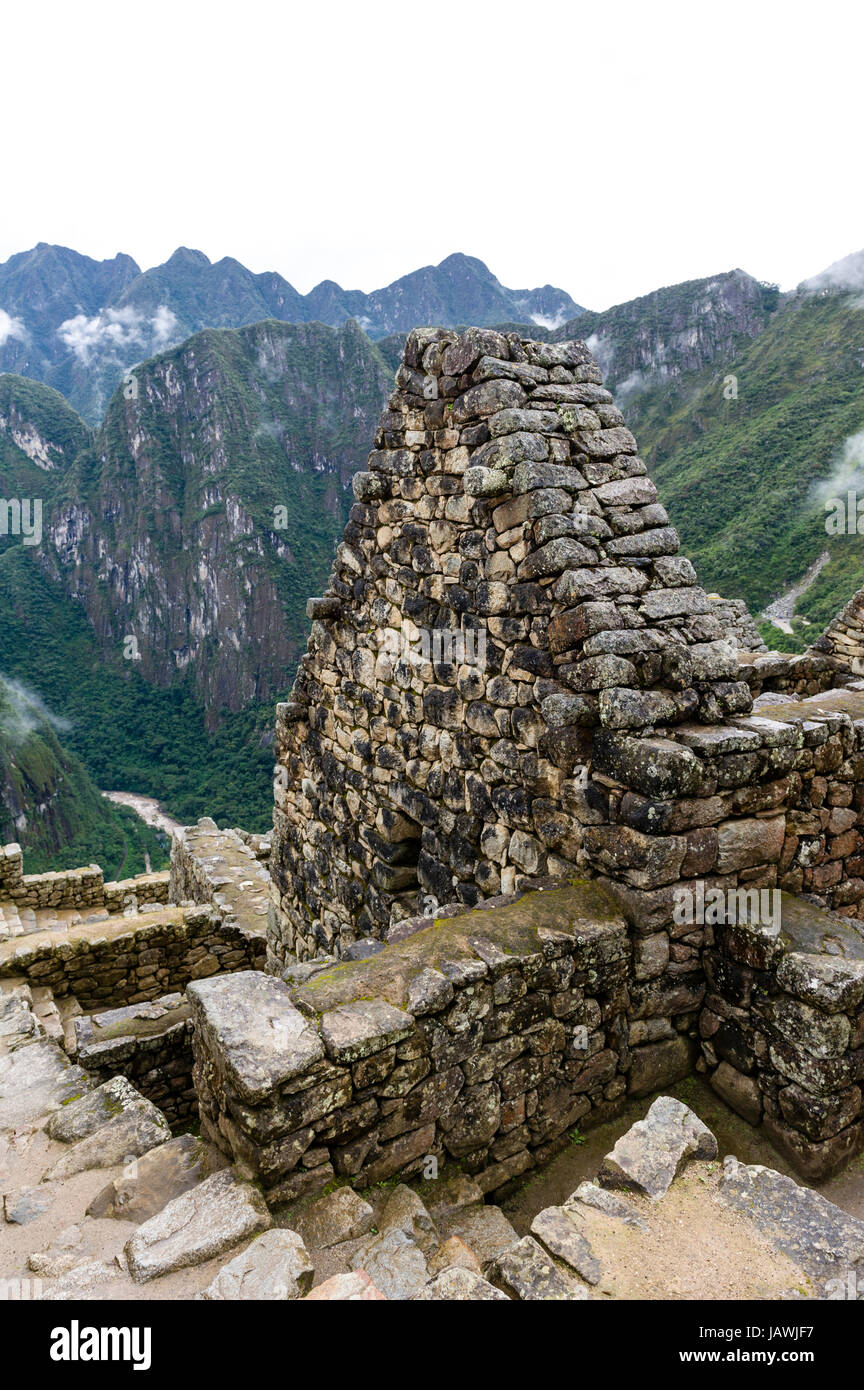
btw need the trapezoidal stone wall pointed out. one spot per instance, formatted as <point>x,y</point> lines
<point>507,583</point>
<point>514,676</point>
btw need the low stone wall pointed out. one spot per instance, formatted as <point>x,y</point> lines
<point>77,888</point>
<point>129,965</point>
<point>783,1032</point>
<point>804,674</point>
<point>485,1038</point>
<point>738,623</point>
<point>209,865</point>
<point>750,807</point>
<point>135,892</point>
<point>151,1045</point>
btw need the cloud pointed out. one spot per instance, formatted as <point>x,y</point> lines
<point>22,711</point>
<point>843,276</point>
<point>602,350</point>
<point>550,321</point>
<point>114,334</point>
<point>636,381</point>
<point>11,328</point>
<point>847,475</point>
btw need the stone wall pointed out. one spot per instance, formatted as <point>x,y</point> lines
<point>485,1038</point>
<point>505,507</point>
<point>843,638</point>
<point>222,867</point>
<point>130,965</point>
<point>151,1045</point>
<point>738,623</point>
<point>754,806</point>
<point>82,889</point>
<point>609,729</point>
<point>783,1032</point>
<point>807,673</point>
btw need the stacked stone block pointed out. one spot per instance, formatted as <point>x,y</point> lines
<point>148,960</point>
<point>843,639</point>
<point>504,498</point>
<point>485,1039</point>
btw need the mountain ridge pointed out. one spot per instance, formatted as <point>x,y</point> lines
<point>79,324</point>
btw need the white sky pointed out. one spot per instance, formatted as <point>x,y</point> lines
<point>608,148</point>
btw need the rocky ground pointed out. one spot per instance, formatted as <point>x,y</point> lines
<point>101,1202</point>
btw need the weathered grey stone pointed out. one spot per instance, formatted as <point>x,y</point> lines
<point>137,1128</point>
<point>90,1112</point>
<point>442,1196</point>
<point>154,1180</point>
<point>394,1262</point>
<point>558,1229</point>
<point>453,1254</point>
<point>826,982</point>
<point>429,991</point>
<point>588,1194</point>
<point>487,398</point>
<point>28,1204</point>
<point>339,1216</point>
<point>354,1287</point>
<point>462,1285</point>
<point>739,1091</point>
<point>485,482</point>
<point>484,1229</point>
<point>654,1150</point>
<point>658,1064</point>
<point>742,843</point>
<point>357,1030</point>
<point>526,1272</point>
<point>35,1080</point>
<point>807,1227</point>
<point>83,1281</point>
<point>274,1267</point>
<point>262,1039</point>
<point>823,1035</point>
<point>206,1221</point>
<point>402,1210</point>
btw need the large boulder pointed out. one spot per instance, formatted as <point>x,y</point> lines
<point>208,1220</point>
<point>338,1217</point>
<point>154,1180</point>
<point>653,1151</point>
<point>276,1266</point>
<point>394,1262</point>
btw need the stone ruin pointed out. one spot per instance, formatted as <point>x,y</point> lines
<point>552,830</point>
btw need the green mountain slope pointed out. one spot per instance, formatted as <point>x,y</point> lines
<point>745,477</point>
<point>49,804</point>
<point>196,520</point>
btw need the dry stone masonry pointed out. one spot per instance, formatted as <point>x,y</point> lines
<point>608,732</point>
<point>551,830</point>
<point>505,510</point>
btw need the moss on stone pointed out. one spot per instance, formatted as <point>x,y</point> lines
<point>581,909</point>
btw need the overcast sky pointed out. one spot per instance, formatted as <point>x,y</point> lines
<point>606,148</point>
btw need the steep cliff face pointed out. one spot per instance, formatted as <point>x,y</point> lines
<point>212,497</point>
<point>40,437</point>
<point>748,451</point>
<point>682,328</point>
